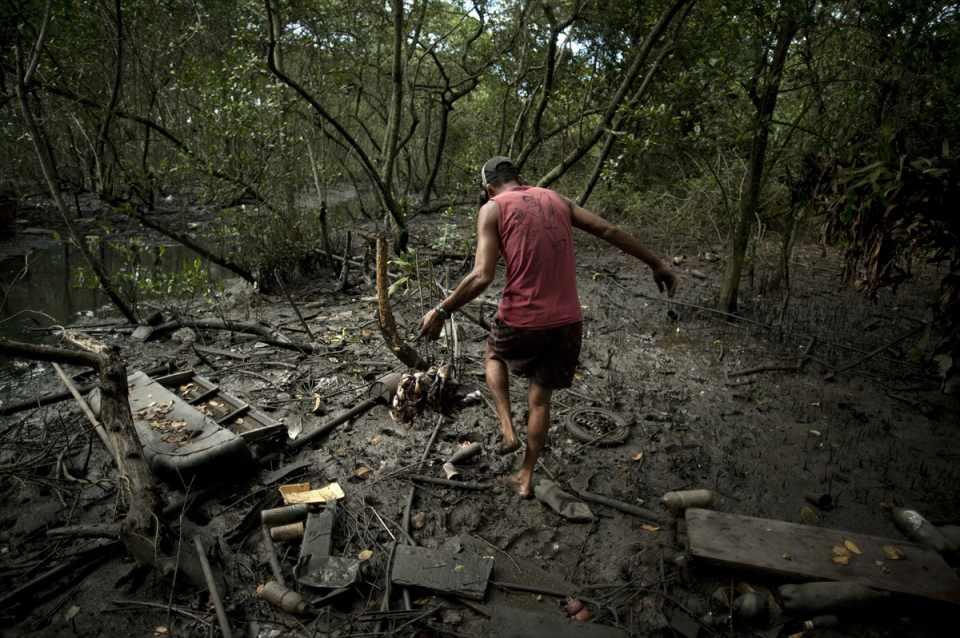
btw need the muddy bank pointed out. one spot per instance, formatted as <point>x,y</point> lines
<point>701,416</point>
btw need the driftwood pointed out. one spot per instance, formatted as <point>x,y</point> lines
<point>57,397</point>
<point>91,417</point>
<point>135,482</point>
<point>265,332</point>
<point>388,325</point>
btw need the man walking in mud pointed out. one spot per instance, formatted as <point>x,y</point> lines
<point>538,328</point>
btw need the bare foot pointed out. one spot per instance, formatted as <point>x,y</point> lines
<point>508,445</point>
<point>523,483</point>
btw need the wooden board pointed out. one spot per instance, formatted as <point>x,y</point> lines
<point>805,551</point>
<point>462,573</point>
<point>512,622</point>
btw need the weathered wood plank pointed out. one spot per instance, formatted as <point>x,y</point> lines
<point>805,551</point>
<point>464,573</point>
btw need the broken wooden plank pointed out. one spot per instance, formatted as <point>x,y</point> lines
<point>463,574</point>
<point>511,622</point>
<point>806,552</point>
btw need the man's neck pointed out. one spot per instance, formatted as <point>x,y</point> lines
<point>509,186</point>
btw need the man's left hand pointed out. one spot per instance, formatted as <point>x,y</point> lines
<point>665,280</point>
<point>431,325</point>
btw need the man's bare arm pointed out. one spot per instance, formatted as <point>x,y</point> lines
<point>616,236</point>
<point>484,270</point>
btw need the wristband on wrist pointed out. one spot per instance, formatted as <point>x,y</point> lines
<point>443,312</point>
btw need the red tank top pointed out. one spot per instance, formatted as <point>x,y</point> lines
<point>536,240</point>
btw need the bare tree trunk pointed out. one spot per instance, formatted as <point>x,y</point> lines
<point>392,136</point>
<point>611,137</point>
<point>48,168</point>
<point>134,479</point>
<point>383,192</point>
<point>613,106</point>
<point>765,103</point>
<point>196,247</point>
<point>114,98</point>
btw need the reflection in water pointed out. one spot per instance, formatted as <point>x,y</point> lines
<point>51,285</point>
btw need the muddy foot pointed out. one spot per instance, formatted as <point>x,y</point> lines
<point>507,447</point>
<point>523,484</point>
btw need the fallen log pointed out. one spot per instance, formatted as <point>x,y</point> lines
<point>138,530</point>
<point>266,333</point>
<point>57,397</point>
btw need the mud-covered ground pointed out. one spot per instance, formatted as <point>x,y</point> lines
<point>874,436</point>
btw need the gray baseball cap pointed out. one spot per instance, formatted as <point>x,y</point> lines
<point>498,166</point>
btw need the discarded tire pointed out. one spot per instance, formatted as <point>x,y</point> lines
<point>597,426</point>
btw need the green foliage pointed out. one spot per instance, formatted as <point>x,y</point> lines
<point>150,273</point>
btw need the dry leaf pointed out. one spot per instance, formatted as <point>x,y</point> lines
<point>892,552</point>
<point>375,439</point>
<point>807,515</point>
<point>849,544</point>
<point>650,528</point>
<point>636,456</point>
<point>161,631</point>
<point>841,560</point>
<point>73,611</point>
<point>362,472</point>
<point>840,550</point>
<point>365,554</point>
<point>419,520</point>
<point>316,403</point>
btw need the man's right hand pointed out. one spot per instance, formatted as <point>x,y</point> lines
<point>665,280</point>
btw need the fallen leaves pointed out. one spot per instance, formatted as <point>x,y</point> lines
<point>636,456</point>
<point>841,555</point>
<point>649,528</point>
<point>850,545</point>
<point>365,554</point>
<point>892,552</point>
<point>362,472</point>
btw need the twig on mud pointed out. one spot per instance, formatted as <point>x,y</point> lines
<point>502,551</point>
<point>462,485</point>
<point>212,588</point>
<point>272,556</point>
<point>257,375</point>
<point>144,603</point>
<point>875,352</point>
<point>296,310</point>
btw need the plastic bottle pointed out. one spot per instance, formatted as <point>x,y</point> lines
<point>282,597</point>
<point>921,531</point>
<point>828,596</point>
<point>284,515</point>
<point>291,532</point>
<point>679,501</point>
